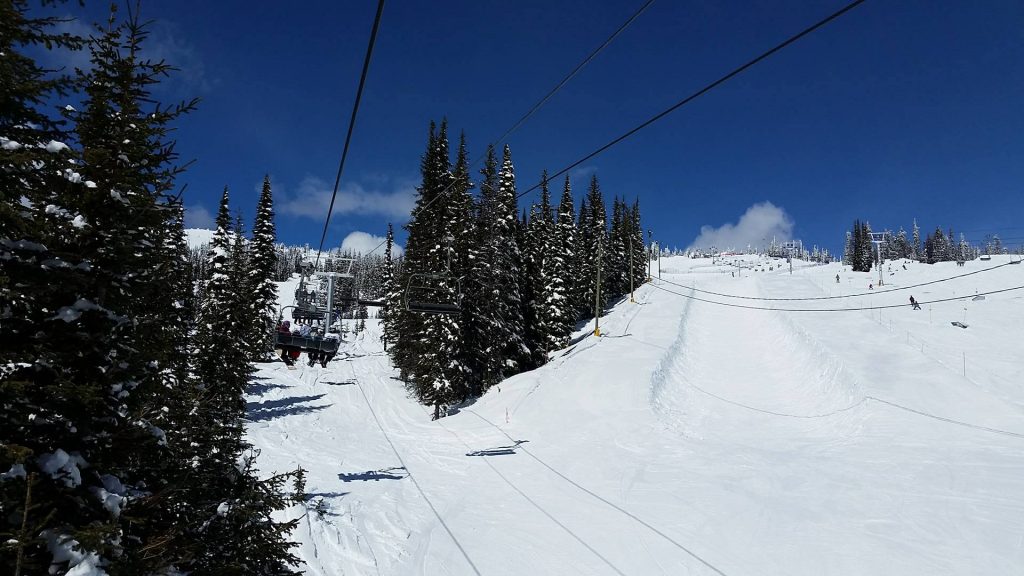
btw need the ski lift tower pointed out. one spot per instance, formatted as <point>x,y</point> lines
<point>792,248</point>
<point>878,238</point>
<point>344,266</point>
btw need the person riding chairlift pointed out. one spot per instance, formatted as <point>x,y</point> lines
<point>314,354</point>
<point>285,328</point>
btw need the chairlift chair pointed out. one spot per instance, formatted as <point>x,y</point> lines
<point>307,307</point>
<point>431,294</point>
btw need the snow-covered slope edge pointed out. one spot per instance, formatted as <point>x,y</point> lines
<point>691,438</point>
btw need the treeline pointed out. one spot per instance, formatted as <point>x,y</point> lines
<point>521,281</point>
<point>121,407</point>
<point>367,270</point>
<point>937,246</point>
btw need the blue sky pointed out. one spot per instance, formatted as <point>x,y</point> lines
<point>898,110</point>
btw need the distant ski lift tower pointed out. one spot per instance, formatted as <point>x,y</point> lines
<point>878,238</point>
<point>344,270</point>
<point>793,248</point>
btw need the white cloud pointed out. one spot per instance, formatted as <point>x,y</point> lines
<point>582,173</point>
<point>756,227</point>
<point>166,42</point>
<point>196,216</point>
<point>363,243</point>
<point>313,197</point>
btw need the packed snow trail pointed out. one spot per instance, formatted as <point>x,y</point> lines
<point>690,439</point>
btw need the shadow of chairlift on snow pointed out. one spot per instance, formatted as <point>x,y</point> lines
<point>394,473</point>
<point>342,383</point>
<point>272,409</point>
<point>498,451</point>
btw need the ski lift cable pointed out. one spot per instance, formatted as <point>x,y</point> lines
<point>860,402</point>
<point>872,293</point>
<point>735,72</point>
<point>857,309</point>
<point>540,508</point>
<point>593,494</point>
<point>419,488</point>
<point>351,124</point>
<point>579,67</point>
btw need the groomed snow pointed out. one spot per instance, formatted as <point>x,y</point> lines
<point>691,438</point>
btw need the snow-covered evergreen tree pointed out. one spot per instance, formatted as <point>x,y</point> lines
<point>564,272</point>
<point>260,281</point>
<point>428,348</point>
<point>635,232</point>
<point>593,231</point>
<point>540,254</point>
<point>915,246</point>
<point>388,313</point>
<point>614,275</point>
<point>244,539</point>
<point>848,247</point>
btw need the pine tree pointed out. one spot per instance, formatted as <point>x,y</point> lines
<point>32,177</point>
<point>479,315</point>
<point>260,283</point>
<point>902,246</point>
<point>428,348</point>
<point>244,538</point>
<point>539,249</point>
<point>593,232</point>
<point>867,251</point>
<point>848,247</point>
<point>915,247</point>
<point>562,298</point>
<point>506,259</point>
<point>640,255</point>
<point>614,274</point>
<point>388,313</point>
<point>583,286</point>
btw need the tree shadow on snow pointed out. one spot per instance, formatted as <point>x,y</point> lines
<point>342,383</point>
<point>270,409</point>
<point>395,473</point>
<point>261,389</point>
<point>498,451</point>
<point>312,495</point>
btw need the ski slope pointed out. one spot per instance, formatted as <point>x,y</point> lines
<point>691,438</point>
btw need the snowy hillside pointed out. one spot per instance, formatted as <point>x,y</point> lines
<point>691,438</point>
<point>197,237</point>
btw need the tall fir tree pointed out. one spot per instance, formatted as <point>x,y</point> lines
<point>540,252</point>
<point>479,315</point>
<point>244,539</point>
<point>583,289</point>
<point>635,232</point>
<point>260,281</point>
<point>594,232</point>
<point>562,298</point>
<point>388,313</point>
<point>428,348</point>
<point>915,246</point>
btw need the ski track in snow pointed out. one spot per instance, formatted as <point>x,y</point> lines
<point>688,439</point>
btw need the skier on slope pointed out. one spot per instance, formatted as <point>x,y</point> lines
<point>914,304</point>
<point>837,278</point>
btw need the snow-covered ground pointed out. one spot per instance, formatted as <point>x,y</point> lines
<point>691,438</point>
<point>196,237</point>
